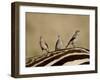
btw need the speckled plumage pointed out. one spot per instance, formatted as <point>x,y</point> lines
<point>43,44</point>
<point>71,41</point>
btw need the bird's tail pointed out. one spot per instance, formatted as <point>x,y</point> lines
<point>67,44</point>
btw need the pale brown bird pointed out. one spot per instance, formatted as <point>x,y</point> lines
<point>43,45</point>
<point>59,44</point>
<point>74,37</point>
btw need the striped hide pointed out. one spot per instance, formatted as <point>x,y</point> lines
<point>70,56</point>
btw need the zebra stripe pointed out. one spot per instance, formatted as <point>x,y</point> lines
<point>76,56</point>
<point>78,62</point>
<point>55,61</point>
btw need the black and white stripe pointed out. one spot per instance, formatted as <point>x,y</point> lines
<point>70,56</point>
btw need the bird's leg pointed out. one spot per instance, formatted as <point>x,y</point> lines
<point>73,44</point>
<point>47,51</point>
<point>34,59</point>
<point>43,52</point>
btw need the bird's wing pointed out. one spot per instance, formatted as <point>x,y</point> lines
<point>72,39</point>
<point>56,44</point>
<point>41,45</point>
<point>46,45</point>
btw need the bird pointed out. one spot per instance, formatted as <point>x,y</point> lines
<point>59,44</point>
<point>43,45</point>
<point>71,41</point>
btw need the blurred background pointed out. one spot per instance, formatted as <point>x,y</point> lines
<point>49,26</point>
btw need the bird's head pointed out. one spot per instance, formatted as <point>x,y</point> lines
<point>77,31</point>
<point>58,36</point>
<point>41,37</point>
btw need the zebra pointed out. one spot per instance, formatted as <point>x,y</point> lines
<point>72,56</point>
